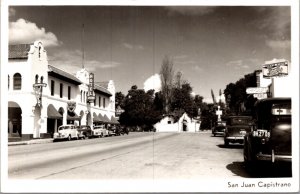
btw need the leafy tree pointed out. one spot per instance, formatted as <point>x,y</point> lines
<point>236,97</point>
<point>119,99</point>
<point>182,99</point>
<point>139,109</point>
<point>166,77</point>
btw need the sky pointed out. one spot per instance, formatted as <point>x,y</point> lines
<point>211,46</point>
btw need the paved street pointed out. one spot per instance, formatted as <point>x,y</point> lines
<point>135,156</point>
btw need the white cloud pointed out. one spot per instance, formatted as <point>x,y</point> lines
<point>238,64</point>
<point>279,44</point>
<point>22,32</point>
<point>153,82</point>
<point>71,61</point>
<point>133,47</point>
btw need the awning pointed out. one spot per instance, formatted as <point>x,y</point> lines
<point>106,119</point>
<point>52,113</point>
<point>101,118</point>
<point>96,118</point>
<point>114,120</point>
<point>72,116</point>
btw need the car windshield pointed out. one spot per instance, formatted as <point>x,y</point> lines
<point>64,127</point>
<point>239,121</point>
<point>281,109</point>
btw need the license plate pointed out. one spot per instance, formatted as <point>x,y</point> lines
<point>261,133</point>
<point>243,132</point>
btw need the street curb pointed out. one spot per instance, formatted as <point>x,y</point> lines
<point>39,141</point>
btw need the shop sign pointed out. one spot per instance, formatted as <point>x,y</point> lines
<point>275,69</point>
<point>256,90</point>
<point>38,91</point>
<point>71,106</point>
<point>260,96</point>
<point>91,96</point>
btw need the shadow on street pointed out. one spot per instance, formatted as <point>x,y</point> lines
<point>231,146</point>
<point>262,170</point>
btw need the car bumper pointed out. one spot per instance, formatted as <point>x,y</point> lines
<point>219,132</point>
<point>60,137</point>
<point>238,138</point>
<point>273,157</point>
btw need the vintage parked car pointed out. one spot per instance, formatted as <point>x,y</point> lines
<point>112,130</point>
<point>219,128</point>
<point>236,129</point>
<point>270,138</point>
<point>100,129</point>
<point>124,130</point>
<point>66,132</point>
<point>85,131</point>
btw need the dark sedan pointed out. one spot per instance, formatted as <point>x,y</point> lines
<point>236,129</point>
<point>271,137</point>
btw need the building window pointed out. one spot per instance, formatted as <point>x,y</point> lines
<point>52,87</point>
<point>8,81</point>
<point>36,78</point>
<point>69,92</point>
<point>61,89</point>
<point>99,101</point>
<point>17,81</point>
<point>103,102</point>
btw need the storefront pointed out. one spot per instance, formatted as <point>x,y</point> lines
<point>42,97</point>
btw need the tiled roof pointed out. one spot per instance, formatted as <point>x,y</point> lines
<point>101,89</point>
<point>54,71</point>
<point>19,51</point>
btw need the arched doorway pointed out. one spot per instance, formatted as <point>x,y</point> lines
<point>53,117</point>
<point>89,119</point>
<point>60,121</point>
<point>14,119</point>
<point>81,114</point>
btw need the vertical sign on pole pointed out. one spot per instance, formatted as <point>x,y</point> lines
<point>91,96</point>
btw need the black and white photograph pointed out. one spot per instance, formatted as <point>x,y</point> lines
<point>141,96</point>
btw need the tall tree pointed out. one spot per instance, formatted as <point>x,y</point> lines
<point>237,98</point>
<point>166,77</point>
<point>139,109</point>
<point>213,96</point>
<point>119,99</point>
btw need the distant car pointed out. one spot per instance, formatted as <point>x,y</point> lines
<point>66,132</point>
<point>100,129</point>
<point>84,131</point>
<point>124,130</point>
<point>236,129</point>
<point>112,131</point>
<point>219,128</point>
<point>270,140</point>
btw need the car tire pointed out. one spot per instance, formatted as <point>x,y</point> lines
<point>226,143</point>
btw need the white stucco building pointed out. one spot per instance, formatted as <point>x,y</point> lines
<point>184,124</point>
<point>63,97</point>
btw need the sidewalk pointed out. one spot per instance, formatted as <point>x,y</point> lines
<point>32,141</point>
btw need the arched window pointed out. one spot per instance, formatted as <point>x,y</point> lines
<point>42,79</point>
<point>36,78</point>
<point>80,95</point>
<point>17,81</point>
